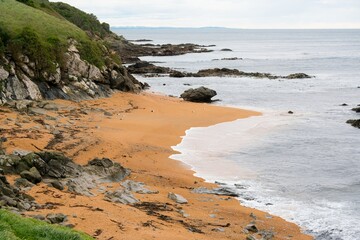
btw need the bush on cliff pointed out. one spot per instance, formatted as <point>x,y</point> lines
<point>85,21</point>
<point>27,2</point>
<point>29,43</point>
<point>15,227</point>
<point>4,38</point>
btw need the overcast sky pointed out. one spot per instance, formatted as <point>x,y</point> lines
<point>226,13</point>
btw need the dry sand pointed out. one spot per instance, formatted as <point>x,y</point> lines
<point>138,132</point>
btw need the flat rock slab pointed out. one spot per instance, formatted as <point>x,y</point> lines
<point>177,198</point>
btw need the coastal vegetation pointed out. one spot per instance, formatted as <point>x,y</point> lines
<point>47,30</point>
<point>15,227</point>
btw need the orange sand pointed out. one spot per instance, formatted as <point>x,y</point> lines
<point>139,135</point>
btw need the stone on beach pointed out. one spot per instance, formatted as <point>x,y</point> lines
<point>177,198</point>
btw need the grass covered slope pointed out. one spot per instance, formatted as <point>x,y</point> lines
<point>15,16</point>
<point>14,227</point>
<point>85,21</point>
<point>50,30</point>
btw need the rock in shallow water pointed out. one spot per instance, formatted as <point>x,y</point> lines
<point>354,123</point>
<point>201,94</point>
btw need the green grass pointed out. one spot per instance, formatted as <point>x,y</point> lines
<point>14,227</point>
<point>47,24</point>
<point>15,16</point>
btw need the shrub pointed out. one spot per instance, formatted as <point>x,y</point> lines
<point>44,54</point>
<point>27,2</point>
<point>4,38</point>
<point>92,53</point>
<point>85,21</point>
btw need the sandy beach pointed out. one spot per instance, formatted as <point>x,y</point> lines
<point>137,131</point>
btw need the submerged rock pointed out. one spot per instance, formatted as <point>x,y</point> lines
<point>222,191</point>
<point>298,76</point>
<point>201,94</point>
<point>357,109</point>
<point>354,123</point>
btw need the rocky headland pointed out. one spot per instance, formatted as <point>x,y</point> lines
<point>151,70</point>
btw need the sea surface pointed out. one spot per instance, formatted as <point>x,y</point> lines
<point>303,167</point>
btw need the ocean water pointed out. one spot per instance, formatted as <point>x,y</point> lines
<point>303,167</point>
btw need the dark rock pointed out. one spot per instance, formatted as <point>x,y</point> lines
<point>298,76</point>
<point>9,201</point>
<point>33,159</point>
<point>56,169</point>
<point>32,175</point>
<point>106,170</point>
<point>357,109</point>
<point>23,183</point>
<point>344,105</point>
<point>56,218</point>
<point>201,94</point>
<point>231,59</point>
<point>290,112</point>
<point>56,184</point>
<point>226,50</point>
<point>354,123</point>
<point>105,162</point>
<point>146,67</point>
<point>177,74</point>
<point>267,235</point>
<point>252,228</point>
<point>9,163</point>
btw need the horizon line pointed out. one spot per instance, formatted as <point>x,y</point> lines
<point>231,28</point>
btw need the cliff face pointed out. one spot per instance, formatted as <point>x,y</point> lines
<point>76,80</point>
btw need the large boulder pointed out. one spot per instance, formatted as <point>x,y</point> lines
<point>32,175</point>
<point>201,94</point>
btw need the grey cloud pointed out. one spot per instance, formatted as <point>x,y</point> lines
<point>227,13</point>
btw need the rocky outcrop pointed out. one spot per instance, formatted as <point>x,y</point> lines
<point>144,67</point>
<point>131,52</point>
<point>357,109</point>
<point>223,72</point>
<point>76,79</point>
<point>201,94</point>
<point>58,171</point>
<point>150,70</point>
